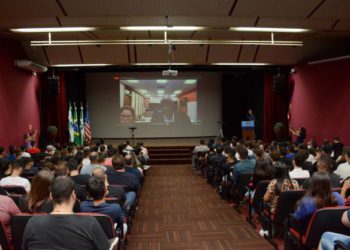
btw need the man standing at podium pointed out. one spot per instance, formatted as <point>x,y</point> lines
<point>250,116</point>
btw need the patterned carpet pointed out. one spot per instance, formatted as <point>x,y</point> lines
<point>179,210</point>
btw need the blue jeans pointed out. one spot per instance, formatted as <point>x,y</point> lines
<point>328,240</point>
<point>130,199</point>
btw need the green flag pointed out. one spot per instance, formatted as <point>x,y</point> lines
<point>76,126</point>
<point>81,125</point>
<point>70,124</point>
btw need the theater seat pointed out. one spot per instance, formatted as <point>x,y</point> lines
<point>14,189</point>
<point>241,188</point>
<point>324,220</point>
<point>18,224</point>
<point>255,203</point>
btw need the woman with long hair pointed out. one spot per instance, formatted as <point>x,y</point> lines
<point>318,195</point>
<point>38,200</point>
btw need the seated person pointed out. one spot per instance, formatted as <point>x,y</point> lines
<point>81,179</point>
<point>323,165</point>
<point>119,176</point>
<point>75,232</point>
<point>97,190</point>
<point>131,168</point>
<point>7,209</point>
<point>61,169</point>
<point>38,200</point>
<point>87,169</point>
<point>113,191</point>
<point>262,171</point>
<point>243,166</point>
<point>29,168</point>
<point>298,172</point>
<point>343,170</point>
<point>318,195</point>
<point>168,114</point>
<point>15,178</point>
<point>328,239</point>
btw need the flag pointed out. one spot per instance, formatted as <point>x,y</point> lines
<point>81,125</point>
<point>76,126</point>
<point>87,128</point>
<point>70,124</point>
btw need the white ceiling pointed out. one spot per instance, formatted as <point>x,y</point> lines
<point>328,19</point>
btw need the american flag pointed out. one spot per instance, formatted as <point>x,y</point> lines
<point>87,128</point>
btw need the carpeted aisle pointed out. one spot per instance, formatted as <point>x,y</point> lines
<point>179,210</point>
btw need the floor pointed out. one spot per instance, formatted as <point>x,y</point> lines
<point>179,210</point>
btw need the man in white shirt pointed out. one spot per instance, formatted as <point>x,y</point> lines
<point>298,172</point>
<point>15,179</point>
<point>201,148</point>
<point>343,169</point>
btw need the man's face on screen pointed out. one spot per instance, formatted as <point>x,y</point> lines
<point>126,116</point>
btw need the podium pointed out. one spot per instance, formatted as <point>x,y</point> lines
<point>248,130</point>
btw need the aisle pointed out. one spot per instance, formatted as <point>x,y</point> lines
<point>179,210</point>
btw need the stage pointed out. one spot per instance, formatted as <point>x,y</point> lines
<point>156,142</point>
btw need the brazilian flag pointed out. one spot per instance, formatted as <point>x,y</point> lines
<point>76,127</point>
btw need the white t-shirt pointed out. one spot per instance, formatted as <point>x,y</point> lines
<point>201,148</point>
<point>16,181</point>
<point>343,170</point>
<point>299,173</point>
<point>86,162</point>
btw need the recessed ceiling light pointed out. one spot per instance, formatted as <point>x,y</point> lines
<point>266,29</point>
<point>82,65</point>
<point>143,91</point>
<point>53,29</point>
<point>158,64</point>
<point>160,91</point>
<point>162,81</point>
<point>176,92</point>
<point>190,81</point>
<point>162,28</point>
<point>240,64</point>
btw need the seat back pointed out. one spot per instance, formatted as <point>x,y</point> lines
<point>243,182</point>
<point>4,239</point>
<point>105,222</point>
<point>15,198</point>
<point>260,191</point>
<point>286,203</point>
<point>18,224</point>
<point>14,189</point>
<point>323,220</point>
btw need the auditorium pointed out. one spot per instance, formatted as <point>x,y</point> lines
<point>164,125</point>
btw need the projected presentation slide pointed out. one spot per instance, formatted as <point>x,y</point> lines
<point>158,101</point>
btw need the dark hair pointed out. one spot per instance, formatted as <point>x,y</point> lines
<point>87,152</point>
<point>324,163</point>
<point>72,164</point>
<point>102,148</point>
<point>61,168</point>
<point>243,153</point>
<point>118,162</point>
<point>259,153</point>
<point>327,149</point>
<point>299,158</point>
<point>320,190</point>
<point>275,155</point>
<point>96,188</point>
<point>283,150</point>
<point>2,150</point>
<point>40,190</point>
<point>111,152</point>
<point>131,109</point>
<point>27,160</point>
<point>62,189</point>
<point>262,170</point>
<point>201,141</point>
<point>281,174</point>
<point>16,164</point>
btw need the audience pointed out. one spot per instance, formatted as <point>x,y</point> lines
<point>83,232</point>
<point>243,166</point>
<point>15,178</point>
<point>298,172</point>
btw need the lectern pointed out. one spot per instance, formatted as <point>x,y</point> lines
<point>248,130</point>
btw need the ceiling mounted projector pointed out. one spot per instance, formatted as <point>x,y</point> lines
<point>30,66</point>
<point>169,72</point>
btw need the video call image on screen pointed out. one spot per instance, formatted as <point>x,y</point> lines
<point>158,101</point>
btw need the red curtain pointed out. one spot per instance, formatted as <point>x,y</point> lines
<point>275,109</point>
<point>54,111</point>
